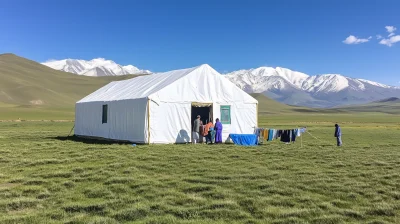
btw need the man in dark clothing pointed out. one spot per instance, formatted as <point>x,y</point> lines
<point>338,135</point>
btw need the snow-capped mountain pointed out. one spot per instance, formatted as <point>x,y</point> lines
<point>297,88</point>
<point>95,67</point>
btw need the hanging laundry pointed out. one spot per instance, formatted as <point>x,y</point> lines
<point>265,135</point>
<point>270,134</point>
<point>285,136</point>
<point>294,135</point>
<point>298,133</point>
<point>279,133</point>
<point>259,134</point>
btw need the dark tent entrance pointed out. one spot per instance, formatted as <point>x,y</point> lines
<point>202,109</point>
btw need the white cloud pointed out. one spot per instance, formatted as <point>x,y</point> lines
<point>354,40</point>
<point>390,29</point>
<point>379,37</point>
<point>392,40</point>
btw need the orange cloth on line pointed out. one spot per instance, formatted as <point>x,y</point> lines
<point>207,128</point>
<point>265,135</point>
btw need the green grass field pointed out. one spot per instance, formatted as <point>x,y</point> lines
<point>49,179</point>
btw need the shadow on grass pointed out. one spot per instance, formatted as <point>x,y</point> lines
<point>96,141</point>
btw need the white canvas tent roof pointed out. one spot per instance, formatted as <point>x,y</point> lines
<point>151,86</point>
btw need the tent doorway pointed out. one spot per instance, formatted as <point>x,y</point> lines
<point>202,109</point>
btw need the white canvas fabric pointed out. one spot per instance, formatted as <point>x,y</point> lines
<point>157,108</point>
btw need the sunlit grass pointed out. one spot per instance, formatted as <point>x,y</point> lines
<point>45,179</point>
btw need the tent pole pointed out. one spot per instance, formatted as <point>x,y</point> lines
<point>148,121</point>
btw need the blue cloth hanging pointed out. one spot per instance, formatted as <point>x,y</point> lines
<point>244,139</point>
<point>270,134</point>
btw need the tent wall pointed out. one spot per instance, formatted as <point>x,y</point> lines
<point>170,108</point>
<point>243,118</point>
<point>170,122</point>
<point>126,120</point>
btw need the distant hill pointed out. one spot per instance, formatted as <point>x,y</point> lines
<point>267,105</point>
<point>389,100</point>
<point>390,106</point>
<point>30,84</point>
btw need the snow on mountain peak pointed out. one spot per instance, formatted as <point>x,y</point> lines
<point>325,83</point>
<point>374,83</point>
<point>296,88</point>
<point>94,67</point>
<point>265,78</point>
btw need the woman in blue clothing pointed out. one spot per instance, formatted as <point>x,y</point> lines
<point>218,130</point>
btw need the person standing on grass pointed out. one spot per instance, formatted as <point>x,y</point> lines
<point>218,130</point>
<point>338,135</point>
<point>196,130</point>
<point>208,132</point>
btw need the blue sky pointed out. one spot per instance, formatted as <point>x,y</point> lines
<point>162,35</point>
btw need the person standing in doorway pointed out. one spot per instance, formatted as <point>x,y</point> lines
<point>208,132</point>
<point>218,130</point>
<point>196,130</point>
<point>202,127</point>
<point>338,135</point>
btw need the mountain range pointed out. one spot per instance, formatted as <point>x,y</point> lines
<point>281,84</point>
<point>296,88</point>
<point>96,67</point>
<point>30,90</point>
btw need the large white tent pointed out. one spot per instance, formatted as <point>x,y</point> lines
<point>161,108</point>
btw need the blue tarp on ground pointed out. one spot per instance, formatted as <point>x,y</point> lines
<point>244,139</point>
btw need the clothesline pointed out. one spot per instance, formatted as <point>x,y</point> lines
<point>262,134</point>
<point>319,139</point>
<point>285,135</point>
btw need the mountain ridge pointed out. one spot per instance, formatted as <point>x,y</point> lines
<point>280,84</point>
<point>96,67</point>
<point>297,88</point>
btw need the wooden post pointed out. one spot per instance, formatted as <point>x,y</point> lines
<point>148,121</point>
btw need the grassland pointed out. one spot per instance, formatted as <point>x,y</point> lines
<point>25,82</point>
<point>50,179</point>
